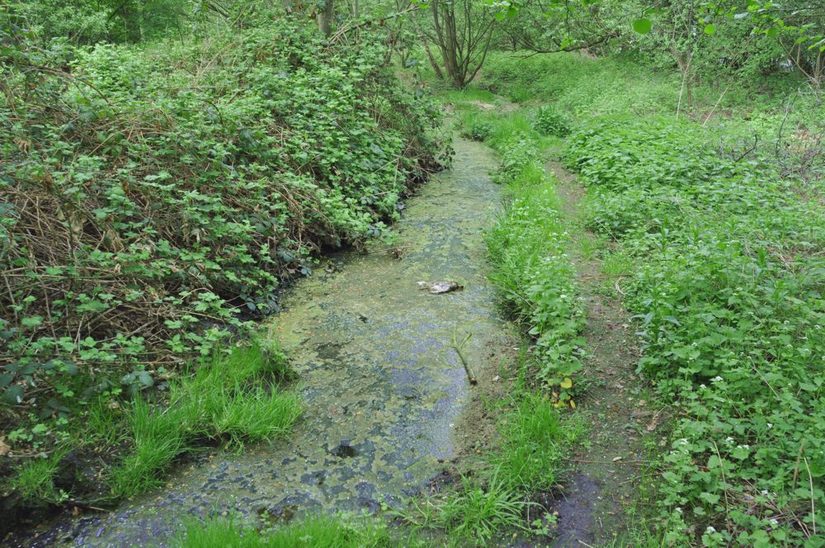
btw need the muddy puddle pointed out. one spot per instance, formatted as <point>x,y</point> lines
<point>382,387</point>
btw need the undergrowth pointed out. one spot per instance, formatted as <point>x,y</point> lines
<point>531,268</point>
<point>726,285</point>
<point>717,239</point>
<point>153,199</point>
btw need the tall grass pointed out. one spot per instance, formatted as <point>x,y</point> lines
<point>234,398</point>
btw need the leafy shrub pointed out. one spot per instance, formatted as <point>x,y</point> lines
<point>478,130</point>
<point>727,292</point>
<point>549,122</point>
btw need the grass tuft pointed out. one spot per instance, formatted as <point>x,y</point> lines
<point>535,442</point>
<point>476,512</point>
<point>34,480</point>
<point>234,398</point>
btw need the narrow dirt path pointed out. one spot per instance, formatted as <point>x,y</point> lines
<point>609,465</point>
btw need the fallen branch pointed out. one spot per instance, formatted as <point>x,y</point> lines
<point>457,347</point>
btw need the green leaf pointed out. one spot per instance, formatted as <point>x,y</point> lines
<point>710,29</point>
<point>13,395</point>
<point>642,26</point>
<point>145,379</point>
<point>31,321</point>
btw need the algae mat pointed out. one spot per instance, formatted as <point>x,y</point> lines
<point>383,390</point>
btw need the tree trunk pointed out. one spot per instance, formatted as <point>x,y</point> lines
<point>130,12</point>
<point>325,16</point>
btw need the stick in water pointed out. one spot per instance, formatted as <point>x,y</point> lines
<point>457,347</point>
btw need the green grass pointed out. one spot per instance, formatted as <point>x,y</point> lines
<point>234,399</point>
<point>580,85</point>
<point>158,436</point>
<point>476,512</point>
<point>535,442</point>
<point>467,95</point>
<point>314,532</point>
<point>34,480</point>
<point>531,269</point>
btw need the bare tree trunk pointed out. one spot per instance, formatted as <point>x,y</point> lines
<point>325,16</point>
<point>462,38</point>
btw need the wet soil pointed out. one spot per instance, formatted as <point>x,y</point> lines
<point>385,394</point>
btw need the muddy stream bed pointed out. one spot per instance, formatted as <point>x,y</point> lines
<point>383,390</point>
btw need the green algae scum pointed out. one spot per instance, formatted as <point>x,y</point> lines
<point>383,389</point>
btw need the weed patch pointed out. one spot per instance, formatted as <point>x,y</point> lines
<point>725,279</point>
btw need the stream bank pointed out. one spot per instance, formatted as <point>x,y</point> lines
<point>383,390</point>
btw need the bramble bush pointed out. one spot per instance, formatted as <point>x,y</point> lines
<point>153,198</point>
<point>727,292</point>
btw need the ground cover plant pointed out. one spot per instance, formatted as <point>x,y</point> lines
<point>719,241</point>
<point>328,532</point>
<point>726,286</point>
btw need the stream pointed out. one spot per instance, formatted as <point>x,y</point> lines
<point>382,387</point>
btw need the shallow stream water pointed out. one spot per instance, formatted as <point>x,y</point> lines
<point>382,388</point>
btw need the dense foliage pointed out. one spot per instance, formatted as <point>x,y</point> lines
<point>532,270</point>
<point>728,292</point>
<point>166,166</point>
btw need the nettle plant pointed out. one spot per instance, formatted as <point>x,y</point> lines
<point>532,270</point>
<point>727,293</point>
<point>155,199</point>
<point>548,121</point>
